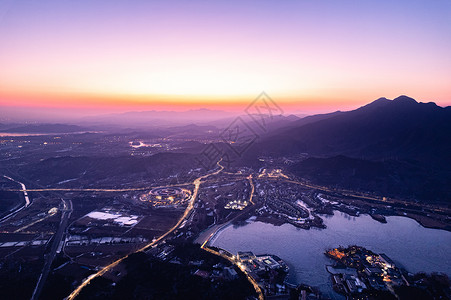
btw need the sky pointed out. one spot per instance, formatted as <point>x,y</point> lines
<point>308,55</point>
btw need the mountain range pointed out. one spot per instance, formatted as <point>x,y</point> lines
<point>383,129</point>
<point>399,147</point>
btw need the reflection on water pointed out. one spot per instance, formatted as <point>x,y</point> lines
<point>405,241</point>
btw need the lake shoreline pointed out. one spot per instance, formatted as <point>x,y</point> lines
<point>421,220</point>
<point>303,249</point>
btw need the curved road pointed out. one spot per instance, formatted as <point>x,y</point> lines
<point>233,261</point>
<point>188,209</point>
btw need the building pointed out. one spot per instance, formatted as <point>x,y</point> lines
<point>386,261</point>
<point>230,273</point>
<point>245,256</point>
<point>165,196</point>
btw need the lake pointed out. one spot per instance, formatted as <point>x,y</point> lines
<point>406,242</point>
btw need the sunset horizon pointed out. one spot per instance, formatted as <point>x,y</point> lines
<point>54,112</point>
<point>308,57</point>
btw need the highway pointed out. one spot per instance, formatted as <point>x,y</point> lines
<point>91,190</point>
<point>67,210</point>
<point>186,213</point>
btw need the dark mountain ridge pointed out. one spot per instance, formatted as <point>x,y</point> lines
<point>399,128</point>
<point>396,148</point>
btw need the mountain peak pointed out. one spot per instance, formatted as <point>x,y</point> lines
<point>376,104</point>
<point>404,99</point>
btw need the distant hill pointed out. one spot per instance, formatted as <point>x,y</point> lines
<point>43,128</point>
<point>152,119</point>
<point>176,120</point>
<point>272,123</point>
<point>312,119</point>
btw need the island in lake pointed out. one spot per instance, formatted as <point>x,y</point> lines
<point>360,273</point>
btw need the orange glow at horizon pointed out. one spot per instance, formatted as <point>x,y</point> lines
<point>314,103</point>
<point>122,103</point>
<point>119,56</point>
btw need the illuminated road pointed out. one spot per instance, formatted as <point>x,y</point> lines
<point>249,278</point>
<point>285,178</point>
<point>252,189</point>
<point>204,246</point>
<point>50,214</point>
<point>89,190</point>
<point>188,209</point>
<point>67,210</point>
<point>197,182</point>
<point>111,190</point>
<point>367,197</point>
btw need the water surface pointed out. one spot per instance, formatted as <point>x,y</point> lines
<point>405,241</point>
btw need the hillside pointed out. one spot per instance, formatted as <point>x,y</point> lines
<point>384,129</point>
<point>405,179</point>
<point>399,147</point>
